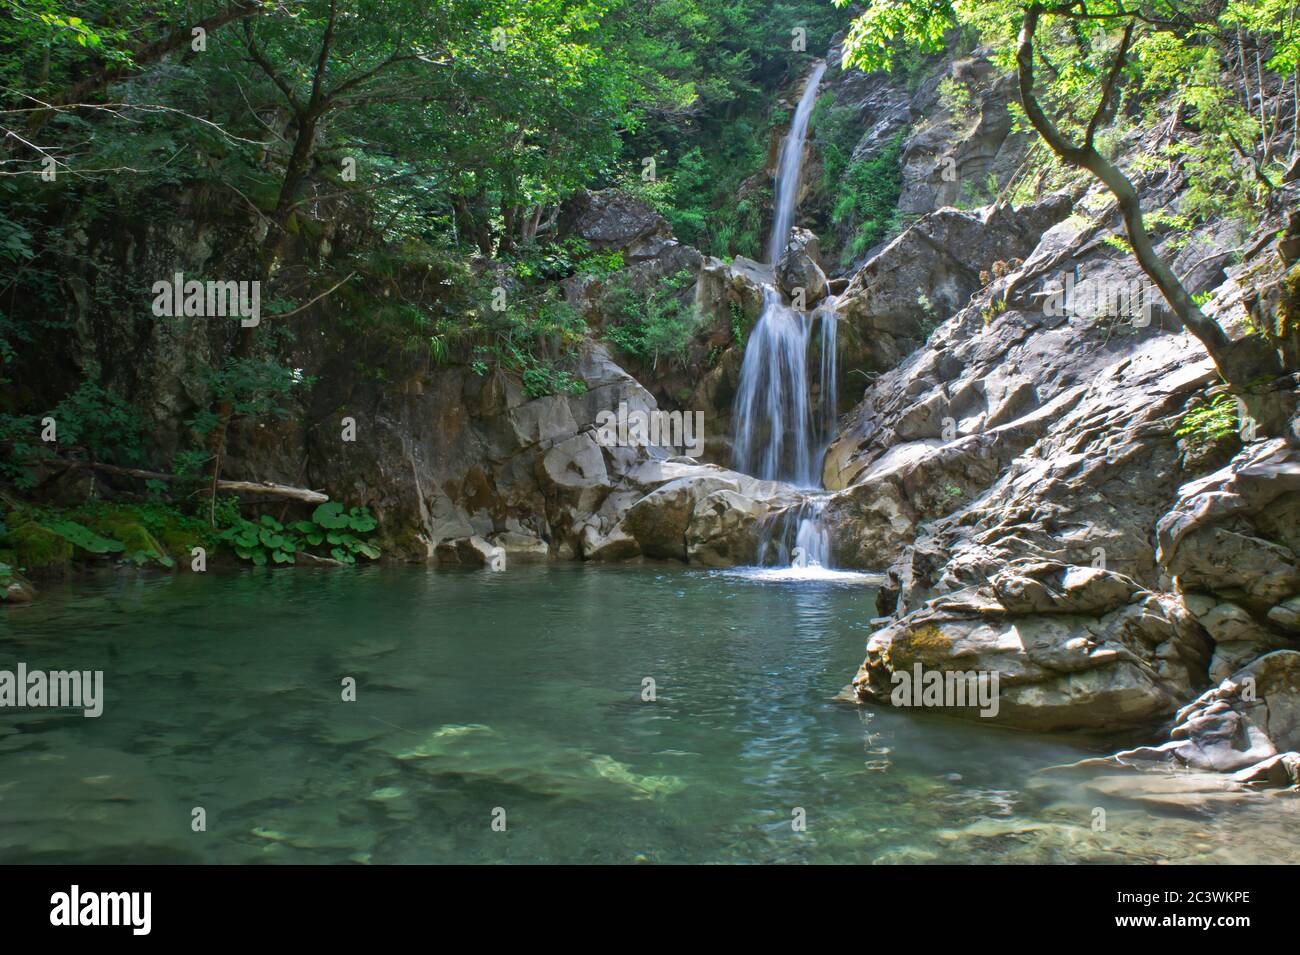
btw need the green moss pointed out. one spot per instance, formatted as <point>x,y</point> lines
<point>926,645</point>
<point>179,541</point>
<point>406,544</point>
<point>39,551</point>
<point>150,532</point>
<point>141,546</point>
<point>264,195</point>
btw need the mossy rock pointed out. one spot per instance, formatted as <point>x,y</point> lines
<point>1287,330</point>
<point>144,537</point>
<point>141,546</point>
<point>39,551</point>
<point>926,645</point>
<point>406,544</point>
<point>179,542</point>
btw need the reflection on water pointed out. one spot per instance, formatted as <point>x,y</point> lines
<point>523,692</point>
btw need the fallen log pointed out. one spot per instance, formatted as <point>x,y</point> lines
<point>303,494</point>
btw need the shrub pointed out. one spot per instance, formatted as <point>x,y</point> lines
<point>653,326</point>
<point>331,528</point>
<point>1206,423</point>
<point>867,196</point>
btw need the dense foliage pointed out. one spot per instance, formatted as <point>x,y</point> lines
<point>370,154</point>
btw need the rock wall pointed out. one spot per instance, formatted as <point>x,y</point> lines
<point>1021,477</point>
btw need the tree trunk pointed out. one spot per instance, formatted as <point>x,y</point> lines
<point>306,495</point>
<point>509,213</point>
<point>531,222</point>
<point>295,174</point>
<point>1250,365</point>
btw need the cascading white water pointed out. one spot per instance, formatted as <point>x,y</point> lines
<point>790,165</point>
<point>782,425</point>
<point>772,414</point>
<point>782,428</point>
<point>781,432</point>
<point>797,537</point>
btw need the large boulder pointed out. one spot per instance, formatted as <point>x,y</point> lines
<point>799,272</point>
<point>699,513</point>
<point>612,219</point>
<point>1073,648</point>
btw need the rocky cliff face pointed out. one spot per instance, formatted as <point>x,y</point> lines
<point>1021,474</point>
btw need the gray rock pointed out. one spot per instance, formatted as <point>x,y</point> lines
<point>1245,720</point>
<point>611,219</point>
<point>800,268</point>
<point>702,513</point>
<point>1278,770</point>
<point>1059,670</point>
<point>1235,533</point>
<point>1287,614</point>
<point>928,273</point>
<point>465,551</point>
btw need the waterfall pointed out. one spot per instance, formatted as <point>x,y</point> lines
<point>790,165</point>
<point>772,415</point>
<point>781,425</point>
<point>797,537</point>
<point>781,433</point>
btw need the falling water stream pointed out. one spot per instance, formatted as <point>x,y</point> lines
<point>783,424</point>
<point>790,166</point>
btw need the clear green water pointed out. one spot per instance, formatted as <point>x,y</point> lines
<point>522,691</point>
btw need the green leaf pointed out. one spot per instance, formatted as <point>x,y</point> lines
<point>330,515</point>
<point>84,537</point>
<point>360,519</point>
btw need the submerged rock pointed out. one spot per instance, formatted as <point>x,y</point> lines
<point>480,753</point>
